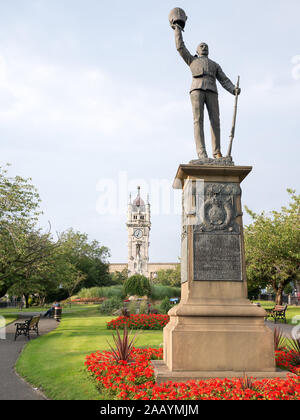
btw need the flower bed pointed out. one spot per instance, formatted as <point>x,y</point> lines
<point>88,300</point>
<point>140,322</point>
<point>286,360</point>
<point>135,381</point>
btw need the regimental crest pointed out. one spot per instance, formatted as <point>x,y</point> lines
<point>218,208</point>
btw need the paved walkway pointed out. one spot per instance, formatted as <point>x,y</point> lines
<point>285,328</point>
<point>12,386</point>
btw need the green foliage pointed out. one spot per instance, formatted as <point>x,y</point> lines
<point>137,307</point>
<point>137,285</point>
<point>165,305</point>
<point>110,305</point>
<point>87,257</point>
<point>159,292</point>
<point>31,262</point>
<point>169,277</point>
<point>102,292</point>
<point>272,247</point>
<point>119,277</point>
<point>22,245</point>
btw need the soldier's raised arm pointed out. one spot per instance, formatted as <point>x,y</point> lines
<point>180,46</point>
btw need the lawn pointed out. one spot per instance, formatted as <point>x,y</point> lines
<point>55,362</point>
<point>11,314</point>
<point>7,319</point>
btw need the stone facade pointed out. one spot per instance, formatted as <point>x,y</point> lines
<point>138,225</point>
<point>153,268</point>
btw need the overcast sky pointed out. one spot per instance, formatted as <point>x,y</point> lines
<point>94,101</point>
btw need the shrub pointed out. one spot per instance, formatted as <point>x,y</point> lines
<point>143,307</point>
<point>159,292</point>
<point>135,307</point>
<point>110,305</point>
<point>102,292</point>
<point>124,346</point>
<point>279,339</point>
<point>165,305</point>
<point>137,285</point>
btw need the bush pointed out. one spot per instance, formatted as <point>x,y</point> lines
<point>138,307</point>
<point>159,292</point>
<point>137,285</point>
<point>165,305</point>
<point>102,292</point>
<point>110,305</point>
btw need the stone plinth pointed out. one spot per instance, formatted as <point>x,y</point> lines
<point>215,331</point>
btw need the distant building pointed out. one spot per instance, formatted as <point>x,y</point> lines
<point>139,225</point>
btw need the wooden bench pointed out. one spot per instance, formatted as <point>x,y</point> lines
<point>278,312</point>
<point>24,328</point>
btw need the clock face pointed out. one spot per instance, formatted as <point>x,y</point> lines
<point>138,233</point>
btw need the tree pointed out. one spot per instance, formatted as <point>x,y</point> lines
<point>119,277</point>
<point>72,280</point>
<point>169,277</point>
<point>137,285</point>
<point>22,244</point>
<point>42,279</point>
<point>88,257</point>
<point>272,244</point>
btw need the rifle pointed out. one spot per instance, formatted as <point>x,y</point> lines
<point>234,120</point>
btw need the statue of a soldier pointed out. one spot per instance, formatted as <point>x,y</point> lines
<point>203,91</point>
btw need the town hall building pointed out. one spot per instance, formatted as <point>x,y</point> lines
<point>139,226</point>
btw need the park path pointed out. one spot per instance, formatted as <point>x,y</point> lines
<point>12,387</point>
<point>285,328</point>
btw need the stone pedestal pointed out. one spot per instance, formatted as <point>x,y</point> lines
<point>215,331</point>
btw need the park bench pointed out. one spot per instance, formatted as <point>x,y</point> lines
<point>278,312</point>
<point>24,328</point>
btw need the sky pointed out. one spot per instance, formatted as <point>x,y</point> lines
<point>94,100</point>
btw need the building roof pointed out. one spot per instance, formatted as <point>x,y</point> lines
<point>139,202</point>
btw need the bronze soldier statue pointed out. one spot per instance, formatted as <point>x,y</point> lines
<point>204,88</point>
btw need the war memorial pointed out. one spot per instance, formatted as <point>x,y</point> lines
<point>215,331</point>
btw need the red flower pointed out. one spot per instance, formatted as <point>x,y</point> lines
<point>140,322</point>
<point>135,381</point>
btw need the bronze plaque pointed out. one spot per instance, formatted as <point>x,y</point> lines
<point>217,257</point>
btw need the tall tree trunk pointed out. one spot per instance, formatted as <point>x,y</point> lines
<point>26,300</point>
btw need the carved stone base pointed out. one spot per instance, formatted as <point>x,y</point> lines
<point>224,161</point>
<point>215,331</point>
<point>218,335</point>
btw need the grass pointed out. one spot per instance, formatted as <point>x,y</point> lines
<point>55,362</point>
<point>8,319</point>
<point>5,311</point>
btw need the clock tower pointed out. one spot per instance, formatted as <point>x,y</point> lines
<point>138,225</point>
